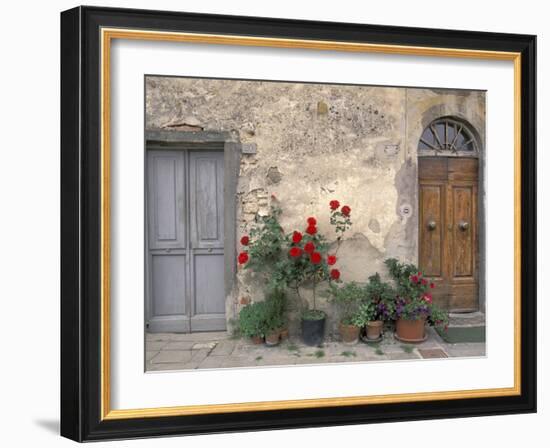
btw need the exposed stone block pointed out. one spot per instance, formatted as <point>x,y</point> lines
<point>274,176</point>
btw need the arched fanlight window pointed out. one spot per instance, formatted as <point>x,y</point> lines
<point>448,136</point>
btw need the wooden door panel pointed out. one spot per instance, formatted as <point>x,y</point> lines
<point>206,207</point>
<point>462,169</point>
<point>462,198</point>
<point>209,292</point>
<point>463,284</point>
<point>207,199</point>
<point>448,253</point>
<point>165,199</point>
<point>166,277</point>
<point>207,224</point>
<point>431,207</point>
<point>168,285</point>
<point>462,297</point>
<point>433,168</point>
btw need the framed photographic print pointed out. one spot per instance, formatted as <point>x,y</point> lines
<point>272,223</point>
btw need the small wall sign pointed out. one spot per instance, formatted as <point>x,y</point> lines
<point>249,148</point>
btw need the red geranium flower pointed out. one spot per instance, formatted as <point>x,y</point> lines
<point>296,237</point>
<point>428,298</point>
<point>311,221</point>
<point>414,278</point>
<point>243,258</point>
<point>315,258</point>
<point>346,210</point>
<point>334,204</point>
<point>245,240</point>
<point>312,230</point>
<point>309,247</point>
<point>295,252</point>
<point>424,282</point>
<point>334,274</point>
<point>331,259</point>
<point>432,285</point>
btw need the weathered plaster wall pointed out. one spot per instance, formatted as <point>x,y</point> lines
<point>315,143</point>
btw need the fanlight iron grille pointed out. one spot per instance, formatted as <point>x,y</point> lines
<point>447,135</point>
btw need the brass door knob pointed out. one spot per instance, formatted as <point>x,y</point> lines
<point>431,225</point>
<point>463,225</point>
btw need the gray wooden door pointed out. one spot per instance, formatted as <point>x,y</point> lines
<point>184,248</point>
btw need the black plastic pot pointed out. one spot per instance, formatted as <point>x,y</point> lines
<point>313,331</point>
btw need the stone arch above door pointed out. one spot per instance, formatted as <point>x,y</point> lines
<point>449,136</point>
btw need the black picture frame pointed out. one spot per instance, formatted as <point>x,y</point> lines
<point>81,224</point>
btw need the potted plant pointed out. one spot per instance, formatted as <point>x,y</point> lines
<point>311,262</point>
<point>414,305</point>
<point>297,260</point>
<point>307,264</point>
<point>376,308</point>
<point>252,321</point>
<point>273,325</point>
<point>262,250</point>
<point>347,299</point>
<point>275,322</point>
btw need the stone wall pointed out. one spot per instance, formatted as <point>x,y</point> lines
<point>315,143</point>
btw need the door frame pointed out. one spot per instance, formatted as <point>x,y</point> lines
<point>197,140</point>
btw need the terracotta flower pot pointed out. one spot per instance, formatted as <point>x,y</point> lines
<point>349,333</point>
<point>410,330</point>
<point>272,339</point>
<point>374,329</point>
<point>257,340</point>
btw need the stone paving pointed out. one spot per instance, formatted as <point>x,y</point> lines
<point>214,350</point>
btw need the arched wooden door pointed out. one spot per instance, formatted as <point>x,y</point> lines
<point>448,229</point>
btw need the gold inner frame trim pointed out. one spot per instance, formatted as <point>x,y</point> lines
<point>107,35</point>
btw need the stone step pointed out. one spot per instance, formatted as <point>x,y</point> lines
<point>475,319</point>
